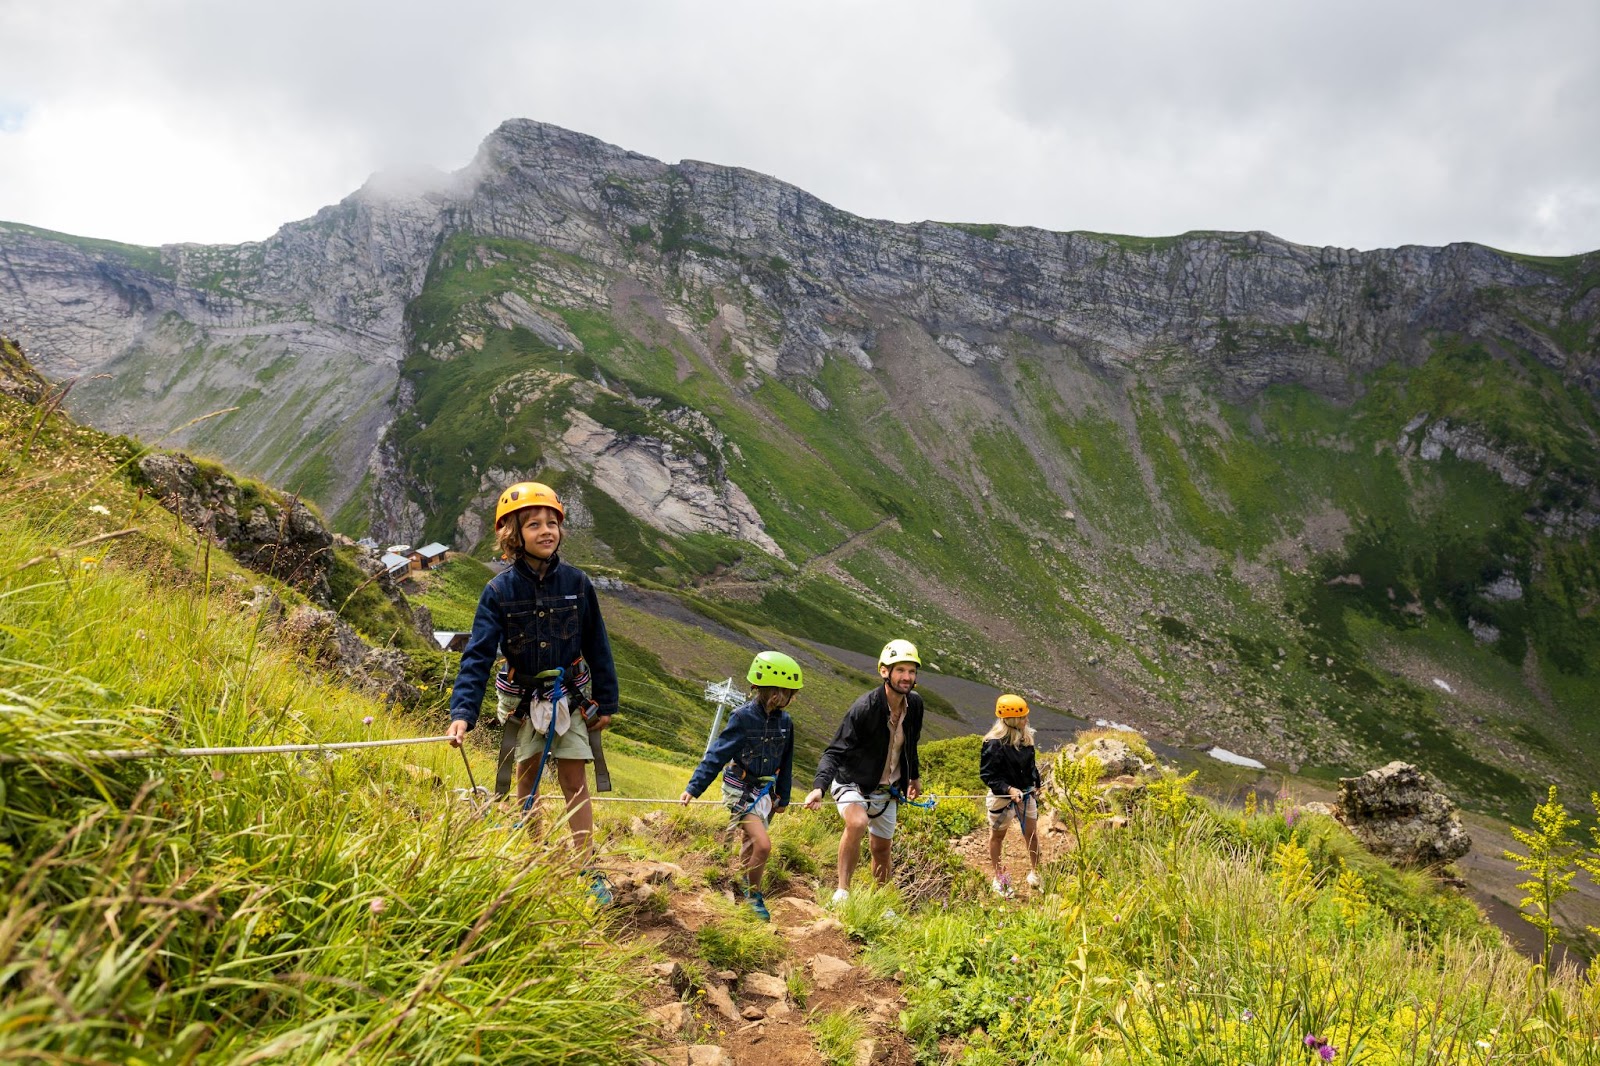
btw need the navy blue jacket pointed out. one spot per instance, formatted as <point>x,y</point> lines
<point>757,745</point>
<point>538,623</point>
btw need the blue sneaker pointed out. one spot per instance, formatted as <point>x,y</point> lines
<point>600,889</point>
<point>759,905</point>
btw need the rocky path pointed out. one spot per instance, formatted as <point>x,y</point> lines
<point>731,1018</point>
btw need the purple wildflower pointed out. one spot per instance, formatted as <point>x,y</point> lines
<point>1247,1015</point>
<point>1327,1051</point>
<point>368,720</point>
<point>1312,1041</point>
<point>1290,815</point>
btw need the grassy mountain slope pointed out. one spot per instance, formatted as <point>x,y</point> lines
<point>352,907</point>
<point>1286,574</point>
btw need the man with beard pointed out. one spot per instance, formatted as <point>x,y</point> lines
<point>871,763</point>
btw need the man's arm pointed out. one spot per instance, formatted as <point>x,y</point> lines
<point>844,738</point>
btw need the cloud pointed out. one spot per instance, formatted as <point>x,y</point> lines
<point>1361,124</point>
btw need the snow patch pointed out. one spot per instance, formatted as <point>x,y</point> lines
<point>1224,755</point>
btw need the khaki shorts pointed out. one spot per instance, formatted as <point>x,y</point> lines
<point>737,799</point>
<point>573,744</point>
<point>1002,812</point>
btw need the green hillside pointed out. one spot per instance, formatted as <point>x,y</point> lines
<point>356,907</point>
<point>1284,571</point>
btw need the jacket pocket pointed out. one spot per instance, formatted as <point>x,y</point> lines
<point>521,625</point>
<point>566,621</point>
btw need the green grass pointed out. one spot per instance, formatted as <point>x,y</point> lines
<point>738,940</point>
<point>451,592</point>
<point>270,907</point>
<point>838,1032</point>
<point>300,909</point>
<point>1186,944</point>
<point>138,256</point>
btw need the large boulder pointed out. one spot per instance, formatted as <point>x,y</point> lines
<point>1396,813</point>
<point>18,379</point>
<point>1120,754</point>
<point>323,637</point>
<point>267,531</point>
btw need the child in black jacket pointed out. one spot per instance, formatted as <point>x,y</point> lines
<point>1008,767</point>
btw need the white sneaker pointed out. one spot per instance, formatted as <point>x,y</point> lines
<point>840,895</point>
<point>1001,888</point>
<point>1033,878</point>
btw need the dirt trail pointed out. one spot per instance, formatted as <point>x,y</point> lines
<point>735,1018</point>
<point>852,543</point>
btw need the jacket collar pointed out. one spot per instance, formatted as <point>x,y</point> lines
<point>523,567</point>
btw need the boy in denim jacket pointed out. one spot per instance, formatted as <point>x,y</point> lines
<point>757,747</point>
<point>543,615</point>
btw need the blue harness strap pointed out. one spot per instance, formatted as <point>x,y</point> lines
<point>549,741</point>
<point>900,797</point>
<point>766,789</point>
<point>1022,812</point>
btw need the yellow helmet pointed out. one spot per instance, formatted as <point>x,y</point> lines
<point>898,651</point>
<point>528,494</point>
<point>1009,706</point>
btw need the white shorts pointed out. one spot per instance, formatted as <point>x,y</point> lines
<point>882,810</point>
<point>1002,812</point>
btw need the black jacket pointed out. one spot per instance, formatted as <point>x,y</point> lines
<point>861,745</point>
<point>1004,767</point>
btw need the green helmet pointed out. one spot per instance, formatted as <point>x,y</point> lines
<point>773,669</point>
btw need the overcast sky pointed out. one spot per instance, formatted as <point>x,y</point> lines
<point>1357,124</point>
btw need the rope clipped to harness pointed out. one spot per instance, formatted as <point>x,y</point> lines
<point>900,797</point>
<point>549,740</point>
<point>1021,807</point>
<point>768,784</point>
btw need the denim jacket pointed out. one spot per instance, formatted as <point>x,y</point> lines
<point>538,623</point>
<point>752,745</point>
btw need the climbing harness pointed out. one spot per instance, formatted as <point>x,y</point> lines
<point>766,789</point>
<point>549,734</point>
<point>900,797</point>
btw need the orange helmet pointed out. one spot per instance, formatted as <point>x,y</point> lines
<point>528,494</point>
<point>1009,706</point>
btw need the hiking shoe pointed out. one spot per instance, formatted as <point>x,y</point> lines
<point>1033,879</point>
<point>600,889</point>
<point>839,896</point>
<point>759,905</point>
<point>1001,886</point>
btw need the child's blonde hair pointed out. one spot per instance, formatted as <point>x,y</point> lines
<point>1014,731</point>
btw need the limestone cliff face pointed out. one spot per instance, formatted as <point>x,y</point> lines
<point>305,331</point>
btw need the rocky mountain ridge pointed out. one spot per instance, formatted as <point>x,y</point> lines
<point>309,326</point>
<point>1150,477</point>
